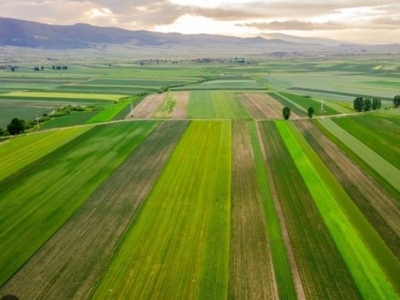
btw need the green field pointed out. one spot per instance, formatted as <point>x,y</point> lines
<point>29,217</point>
<point>188,220</point>
<point>370,277</point>
<point>216,104</point>
<point>179,179</point>
<point>233,84</point>
<point>317,257</point>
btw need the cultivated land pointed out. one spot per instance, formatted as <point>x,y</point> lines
<point>251,269</point>
<point>187,215</point>
<point>205,192</point>
<point>101,221</point>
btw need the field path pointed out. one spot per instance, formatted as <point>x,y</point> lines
<point>70,263</point>
<point>251,270</point>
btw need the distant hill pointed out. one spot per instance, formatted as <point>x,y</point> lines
<point>21,33</point>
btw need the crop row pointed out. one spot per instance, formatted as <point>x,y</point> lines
<point>251,272</point>
<point>377,205</point>
<point>187,217</point>
<point>316,255</point>
<point>34,207</point>
<point>94,232</point>
<point>372,265</point>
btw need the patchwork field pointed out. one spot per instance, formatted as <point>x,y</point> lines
<point>183,181</point>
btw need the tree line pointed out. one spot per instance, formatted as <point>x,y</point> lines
<point>366,104</point>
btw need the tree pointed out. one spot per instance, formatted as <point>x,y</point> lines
<point>367,104</point>
<point>376,103</point>
<point>16,126</point>
<point>286,112</point>
<point>396,101</point>
<point>310,112</point>
<point>358,104</point>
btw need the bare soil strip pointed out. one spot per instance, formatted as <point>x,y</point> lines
<point>147,107</point>
<point>381,210</point>
<point>71,262</point>
<point>182,101</point>
<point>251,270</point>
<point>263,106</point>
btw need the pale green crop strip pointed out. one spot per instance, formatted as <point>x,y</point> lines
<point>178,245</point>
<point>23,150</point>
<point>385,169</point>
<point>52,95</point>
<point>365,270</point>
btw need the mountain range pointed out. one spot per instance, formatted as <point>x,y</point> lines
<point>29,34</point>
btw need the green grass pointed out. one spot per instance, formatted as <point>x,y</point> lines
<point>307,102</point>
<point>379,134</point>
<point>200,105</point>
<point>216,104</point>
<point>73,119</point>
<point>283,274</point>
<point>21,151</point>
<point>233,84</point>
<point>227,106</point>
<point>187,217</point>
<point>294,107</point>
<point>8,112</point>
<point>108,113</point>
<point>166,108</point>
<point>385,169</point>
<point>37,205</point>
<point>63,96</point>
<point>317,257</point>
<point>372,265</point>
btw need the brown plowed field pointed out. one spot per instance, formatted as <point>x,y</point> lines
<point>251,270</point>
<point>70,263</point>
<point>262,106</point>
<point>147,107</point>
<point>182,101</point>
<point>382,211</point>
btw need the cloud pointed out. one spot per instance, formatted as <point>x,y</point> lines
<point>295,26</point>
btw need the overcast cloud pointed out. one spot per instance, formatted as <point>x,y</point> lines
<point>375,20</point>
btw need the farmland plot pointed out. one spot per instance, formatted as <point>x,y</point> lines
<point>182,102</point>
<point>216,104</point>
<point>262,106</point>
<point>284,265</point>
<point>201,105</point>
<point>187,217</point>
<point>37,205</point>
<point>316,256</point>
<point>384,168</point>
<point>147,107</point>
<point>21,151</point>
<point>379,134</point>
<point>373,267</point>
<point>382,211</point>
<point>251,270</point>
<point>74,258</point>
<point>166,108</point>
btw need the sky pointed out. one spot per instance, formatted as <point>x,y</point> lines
<point>358,21</point>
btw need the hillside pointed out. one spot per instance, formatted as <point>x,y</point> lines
<point>29,34</point>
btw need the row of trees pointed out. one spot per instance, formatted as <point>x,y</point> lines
<point>366,104</point>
